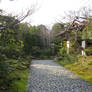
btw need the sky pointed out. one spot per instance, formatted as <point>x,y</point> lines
<point>47,12</point>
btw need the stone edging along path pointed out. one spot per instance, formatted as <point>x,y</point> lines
<point>48,76</point>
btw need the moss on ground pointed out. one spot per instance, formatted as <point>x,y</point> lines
<point>83,67</point>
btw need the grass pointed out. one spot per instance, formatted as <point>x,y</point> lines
<point>82,67</point>
<point>20,84</point>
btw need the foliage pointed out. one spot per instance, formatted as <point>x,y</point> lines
<point>82,67</point>
<point>20,84</point>
<point>87,32</point>
<point>35,51</point>
<point>44,36</point>
<point>18,41</point>
<point>88,51</point>
<point>31,40</point>
<point>56,28</point>
<point>11,51</point>
<point>4,70</point>
<point>62,50</point>
<point>45,53</point>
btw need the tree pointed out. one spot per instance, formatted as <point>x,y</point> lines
<point>56,28</point>
<point>44,34</point>
<point>11,49</point>
<point>12,57</point>
<point>79,21</point>
<point>31,38</point>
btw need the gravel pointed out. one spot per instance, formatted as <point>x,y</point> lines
<point>48,76</point>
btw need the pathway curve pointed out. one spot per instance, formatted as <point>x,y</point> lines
<point>48,76</point>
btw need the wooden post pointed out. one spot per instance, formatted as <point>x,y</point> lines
<point>68,46</point>
<point>83,46</point>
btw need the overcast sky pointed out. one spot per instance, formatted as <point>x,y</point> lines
<point>48,11</point>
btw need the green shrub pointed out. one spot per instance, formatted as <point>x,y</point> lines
<point>62,51</point>
<point>28,61</point>
<point>88,51</point>
<point>46,52</point>
<point>36,51</point>
<point>5,69</point>
<point>43,57</point>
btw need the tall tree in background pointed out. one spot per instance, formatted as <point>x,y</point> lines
<point>56,28</point>
<point>44,34</point>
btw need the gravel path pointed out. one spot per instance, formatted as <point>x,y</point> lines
<point>48,76</point>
